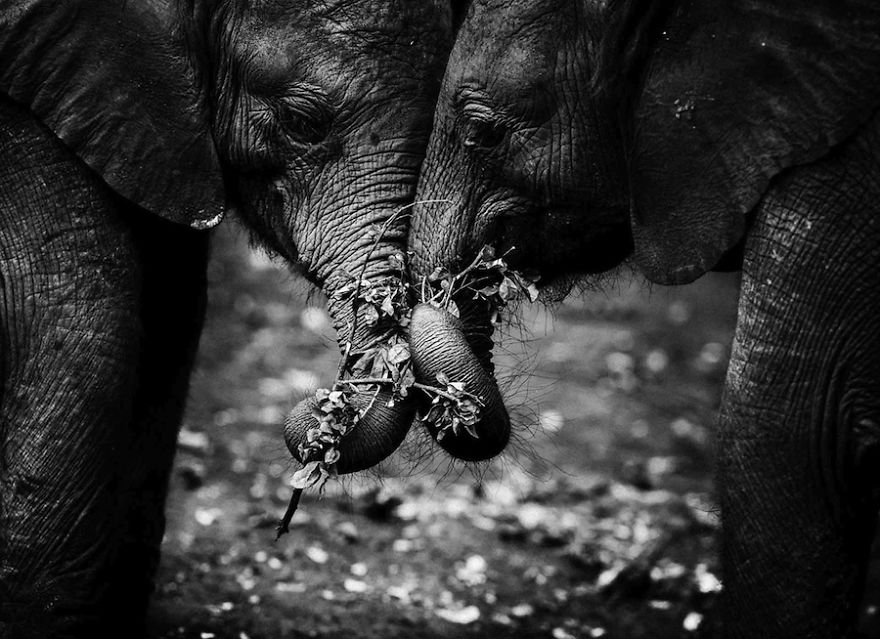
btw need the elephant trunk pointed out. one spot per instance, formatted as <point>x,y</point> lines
<point>379,432</point>
<point>383,423</point>
<point>439,346</point>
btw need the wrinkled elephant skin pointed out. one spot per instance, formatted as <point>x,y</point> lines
<point>127,130</point>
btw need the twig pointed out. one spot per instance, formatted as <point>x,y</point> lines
<point>471,267</point>
<point>343,363</point>
<point>367,381</point>
<point>284,525</point>
<point>426,388</point>
<point>458,276</point>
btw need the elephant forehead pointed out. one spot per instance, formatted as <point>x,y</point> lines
<point>529,39</point>
<point>339,45</point>
<point>385,16</point>
<point>357,23</point>
<point>536,60</point>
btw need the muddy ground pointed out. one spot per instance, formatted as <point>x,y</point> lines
<point>599,522</point>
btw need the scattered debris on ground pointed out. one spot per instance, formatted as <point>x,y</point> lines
<point>600,522</point>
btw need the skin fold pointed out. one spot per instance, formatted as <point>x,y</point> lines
<point>126,131</point>
<point>687,136</point>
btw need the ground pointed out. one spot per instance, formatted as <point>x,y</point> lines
<point>599,522</point>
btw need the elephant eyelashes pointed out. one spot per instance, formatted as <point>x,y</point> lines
<point>307,119</point>
<point>307,132</point>
<point>482,134</point>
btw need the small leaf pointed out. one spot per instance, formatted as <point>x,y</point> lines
<point>365,363</point>
<point>499,265</point>
<point>308,475</point>
<point>371,315</point>
<point>513,289</point>
<point>442,378</point>
<point>399,353</point>
<point>533,292</point>
<point>469,429</point>
<point>397,261</point>
<point>380,366</point>
<point>388,307</point>
<point>486,291</point>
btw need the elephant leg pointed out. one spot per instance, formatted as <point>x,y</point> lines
<point>69,332</point>
<point>174,260</point>
<point>798,434</point>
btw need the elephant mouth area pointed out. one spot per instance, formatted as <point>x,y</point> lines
<point>607,250</point>
<point>562,241</point>
<point>603,252</point>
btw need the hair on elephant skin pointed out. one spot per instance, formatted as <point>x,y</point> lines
<point>685,136</point>
<point>127,130</point>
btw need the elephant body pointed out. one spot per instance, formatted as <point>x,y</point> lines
<point>127,130</point>
<point>797,434</point>
<point>692,136</point>
<point>102,310</point>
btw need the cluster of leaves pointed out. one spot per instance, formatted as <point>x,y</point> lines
<point>383,299</point>
<point>453,409</point>
<point>488,278</point>
<point>335,416</point>
<point>389,363</point>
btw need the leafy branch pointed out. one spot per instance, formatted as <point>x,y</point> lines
<point>488,278</point>
<point>452,408</point>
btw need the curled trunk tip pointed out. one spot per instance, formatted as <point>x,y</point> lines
<point>379,432</point>
<point>438,345</point>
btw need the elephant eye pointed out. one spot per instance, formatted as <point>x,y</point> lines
<point>482,125</point>
<point>481,133</point>
<point>307,131</point>
<point>306,116</point>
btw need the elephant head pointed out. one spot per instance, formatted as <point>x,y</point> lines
<point>582,132</point>
<point>309,118</point>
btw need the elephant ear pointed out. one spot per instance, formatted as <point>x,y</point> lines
<point>733,93</point>
<point>113,81</point>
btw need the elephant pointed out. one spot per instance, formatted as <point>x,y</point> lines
<point>681,137</point>
<point>127,131</point>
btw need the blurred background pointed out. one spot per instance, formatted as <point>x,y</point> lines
<point>600,521</point>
